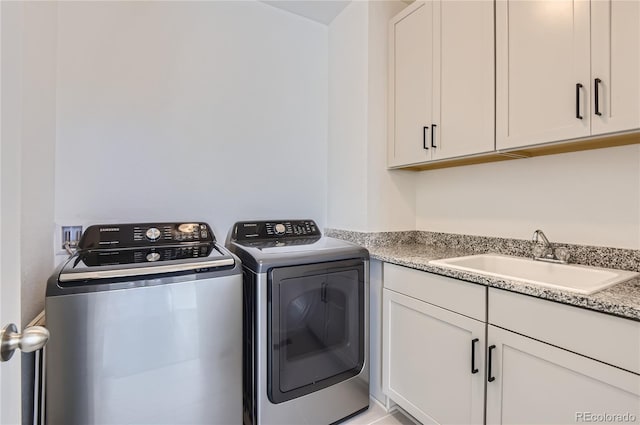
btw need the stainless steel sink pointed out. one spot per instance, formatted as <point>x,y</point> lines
<point>574,278</point>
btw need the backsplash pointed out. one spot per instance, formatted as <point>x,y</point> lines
<point>616,258</point>
<point>368,239</point>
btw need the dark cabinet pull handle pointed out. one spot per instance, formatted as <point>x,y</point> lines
<point>433,135</point>
<point>474,369</point>
<point>578,87</point>
<point>491,378</point>
<point>424,137</point>
<point>596,85</point>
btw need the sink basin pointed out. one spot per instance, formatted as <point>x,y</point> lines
<point>569,277</point>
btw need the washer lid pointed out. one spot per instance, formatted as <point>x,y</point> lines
<point>100,264</point>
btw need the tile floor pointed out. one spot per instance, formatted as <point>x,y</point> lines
<point>376,415</point>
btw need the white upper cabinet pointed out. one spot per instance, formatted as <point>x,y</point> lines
<point>566,69</point>
<point>411,84</point>
<point>615,50</point>
<point>561,70</point>
<point>542,71</point>
<point>463,79</point>
<point>441,81</point>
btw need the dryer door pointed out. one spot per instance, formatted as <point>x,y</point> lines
<point>316,327</point>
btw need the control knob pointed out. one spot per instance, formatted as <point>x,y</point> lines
<point>153,234</point>
<point>153,256</point>
<point>280,229</point>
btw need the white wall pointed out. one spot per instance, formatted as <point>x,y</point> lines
<point>589,197</point>
<point>212,111</point>
<point>391,193</point>
<point>38,150</point>
<point>11,128</point>
<point>362,194</point>
<point>347,160</point>
<point>28,103</point>
<point>28,138</point>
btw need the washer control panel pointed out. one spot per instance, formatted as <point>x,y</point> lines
<point>115,236</point>
<point>96,257</point>
<point>281,229</point>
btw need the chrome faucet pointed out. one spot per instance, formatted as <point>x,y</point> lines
<point>543,250</point>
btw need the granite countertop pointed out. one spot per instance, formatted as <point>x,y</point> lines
<point>415,249</point>
<point>621,300</point>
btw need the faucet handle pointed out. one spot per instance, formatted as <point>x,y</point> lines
<point>562,254</point>
<point>539,250</point>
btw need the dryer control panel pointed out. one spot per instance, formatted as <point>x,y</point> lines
<point>281,229</point>
<point>116,236</point>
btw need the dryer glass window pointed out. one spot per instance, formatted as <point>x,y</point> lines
<point>317,327</point>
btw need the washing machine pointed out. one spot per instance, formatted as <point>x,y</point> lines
<point>146,328</point>
<point>305,326</point>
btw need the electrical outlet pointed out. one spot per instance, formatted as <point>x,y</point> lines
<point>70,235</point>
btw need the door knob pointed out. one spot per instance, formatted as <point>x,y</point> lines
<point>31,339</point>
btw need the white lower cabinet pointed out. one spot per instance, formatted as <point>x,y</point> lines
<point>540,362</point>
<point>428,357</point>
<point>433,346</point>
<point>533,382</point>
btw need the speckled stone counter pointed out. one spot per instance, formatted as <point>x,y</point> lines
<point>415,251</point>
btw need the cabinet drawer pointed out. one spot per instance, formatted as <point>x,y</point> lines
<point>606,338</point>
<point>452,294</point>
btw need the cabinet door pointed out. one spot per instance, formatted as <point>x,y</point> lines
<point>615,50</point>
<point>542,53</point>
<point>411,87</point>
<point>427,359</point>
<point>463,78</point>
<point>539,383</point>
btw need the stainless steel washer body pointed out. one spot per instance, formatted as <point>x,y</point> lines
<point>270,272</point>
<point>152,348</point>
